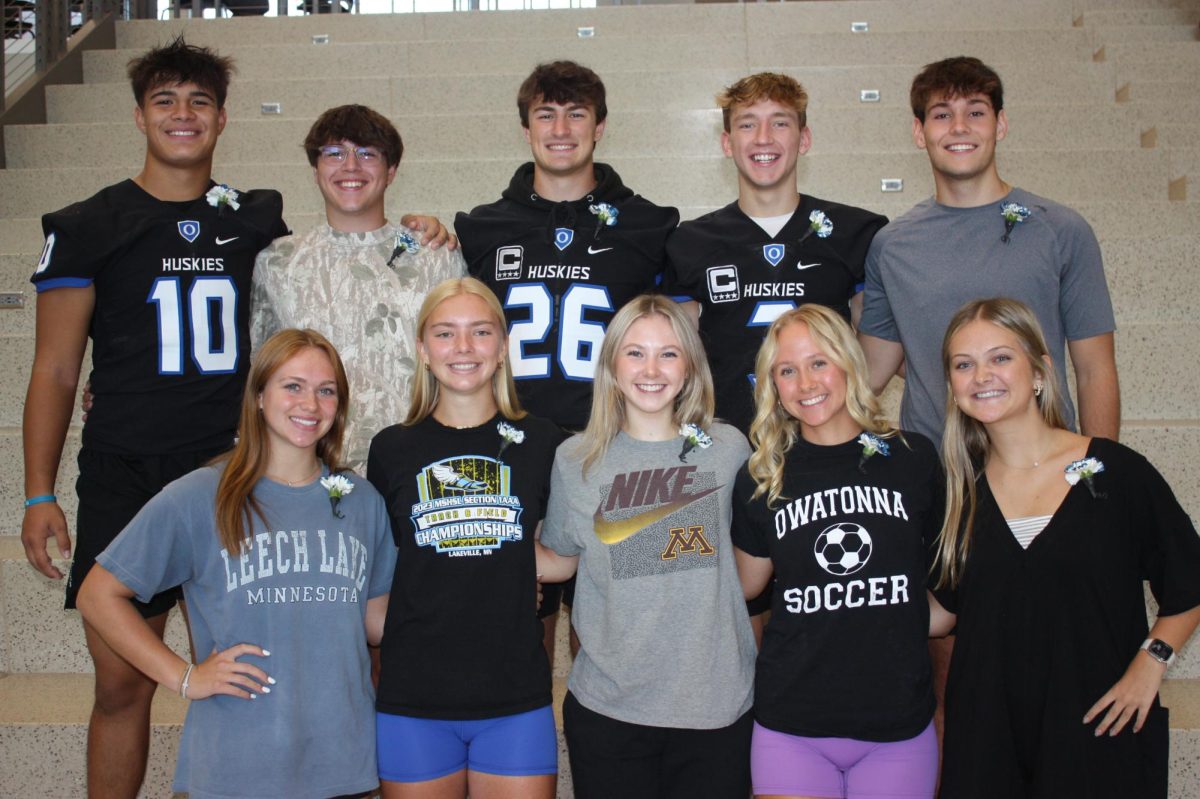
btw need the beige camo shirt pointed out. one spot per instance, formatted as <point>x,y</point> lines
<point>340,285</point>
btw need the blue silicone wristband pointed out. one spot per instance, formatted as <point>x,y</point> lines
<point>38,500</point>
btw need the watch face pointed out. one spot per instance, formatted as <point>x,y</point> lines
<point>1160,650</point>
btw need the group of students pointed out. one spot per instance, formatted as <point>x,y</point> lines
<point>592,310</point>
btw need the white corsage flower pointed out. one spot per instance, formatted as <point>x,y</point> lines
<point>820,224</point>
<point>871,445</point>
<point>338,486</point>
<point>1013,214</point>
<point>508,435</point>
<point>1085,469</point>
<point>605,213</point>
<point>220,196</point>
<point>693,438</point>
<point>404,243</point>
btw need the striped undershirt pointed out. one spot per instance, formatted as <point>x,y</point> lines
<point>1027,528</point>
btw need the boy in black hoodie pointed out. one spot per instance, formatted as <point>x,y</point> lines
<point>566,245</point>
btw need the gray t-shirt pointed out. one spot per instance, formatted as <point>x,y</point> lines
<point>929,262</point>
<point>299,591</point>
<point>666,641</point>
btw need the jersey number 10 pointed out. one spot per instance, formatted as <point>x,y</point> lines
<point>212,354</point>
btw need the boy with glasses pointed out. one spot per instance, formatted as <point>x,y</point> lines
<point>356,278</point>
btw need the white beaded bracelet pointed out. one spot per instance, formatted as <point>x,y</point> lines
<point>187,675</point>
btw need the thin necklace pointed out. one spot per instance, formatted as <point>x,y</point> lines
<point>1036,463</point>
<point>305,481</point>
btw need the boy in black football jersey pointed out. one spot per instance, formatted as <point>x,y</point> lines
<point>565,247</point>
<point>156,271</point>
<point>771,250</point>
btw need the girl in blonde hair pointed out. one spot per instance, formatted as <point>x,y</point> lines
<point>842,508</point>
<point>464,690</point>
<point>659,696</point>
<point>1047,540</point>
<point>285,562</point>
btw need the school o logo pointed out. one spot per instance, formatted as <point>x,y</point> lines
<point>189,229</point>
<point>843,548</point>
<point>773,253</point>
<point>563,237</point>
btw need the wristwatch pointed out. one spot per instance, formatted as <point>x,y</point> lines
<point>1159,650</point>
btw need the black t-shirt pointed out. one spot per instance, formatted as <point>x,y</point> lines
<point>744,279</point>
<point>462,639</point>
<point>845,654</point>
<point>170,342</point>
<point>562,274</point>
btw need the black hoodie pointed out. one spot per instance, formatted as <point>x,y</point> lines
<point>561,274</point>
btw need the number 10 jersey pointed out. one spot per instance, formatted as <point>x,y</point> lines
<point>170,343</point>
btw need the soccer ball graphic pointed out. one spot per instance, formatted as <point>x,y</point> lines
<point>843,548</point>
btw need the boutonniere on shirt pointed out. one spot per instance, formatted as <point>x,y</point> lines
<point>508,435</point>
<point>693,437</point>
<point>820,224</point>
<point>1013,213</point>
<point>1085,470</point>
<point>338,486</point>
<point>220,196</point>
<point>404,243</point>
<point>871,445</point>
<point>606,215</point>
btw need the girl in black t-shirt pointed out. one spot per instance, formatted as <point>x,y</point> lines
<point>842,508</point>
<point>464,691</point>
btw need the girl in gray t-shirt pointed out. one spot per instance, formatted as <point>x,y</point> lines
<point>640,505</point>
<point>285,564</point>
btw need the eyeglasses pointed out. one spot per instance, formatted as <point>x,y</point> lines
<point>338,153</point>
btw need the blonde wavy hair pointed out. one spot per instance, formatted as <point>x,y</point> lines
<point>246,463</point>
<point>774,431</point>
<point>965,442</point>
<point>424,397</point>
<point>693,405</point>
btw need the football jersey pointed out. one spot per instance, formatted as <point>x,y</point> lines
<point>562,270</point>
<point>170,342</point>
<point>744,279</point>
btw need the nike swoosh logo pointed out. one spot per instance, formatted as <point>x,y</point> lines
<point>616,531</point>
<point>595,251</point>
<point>807,266</point>
<point>221,241</point>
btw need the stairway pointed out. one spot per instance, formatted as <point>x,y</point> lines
<point>1103,117</point>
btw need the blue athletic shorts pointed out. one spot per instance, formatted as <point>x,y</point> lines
<point>416,750</point>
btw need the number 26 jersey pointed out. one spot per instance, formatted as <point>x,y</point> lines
<point>562,270</point>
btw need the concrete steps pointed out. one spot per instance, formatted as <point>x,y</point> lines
<point>738,20</point>
<point>667,52</point>
<point>849,129</point>
<point>669,89</point>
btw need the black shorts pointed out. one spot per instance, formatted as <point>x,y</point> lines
<point>112,489</point>
<point>611,758</point>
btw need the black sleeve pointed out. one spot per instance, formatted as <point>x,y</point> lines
<point>748,532</point>
<point>680,278</point>
<point>860,243</point>
<point>1168,544</point>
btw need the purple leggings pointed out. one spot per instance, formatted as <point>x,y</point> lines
<point>843,768</point>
